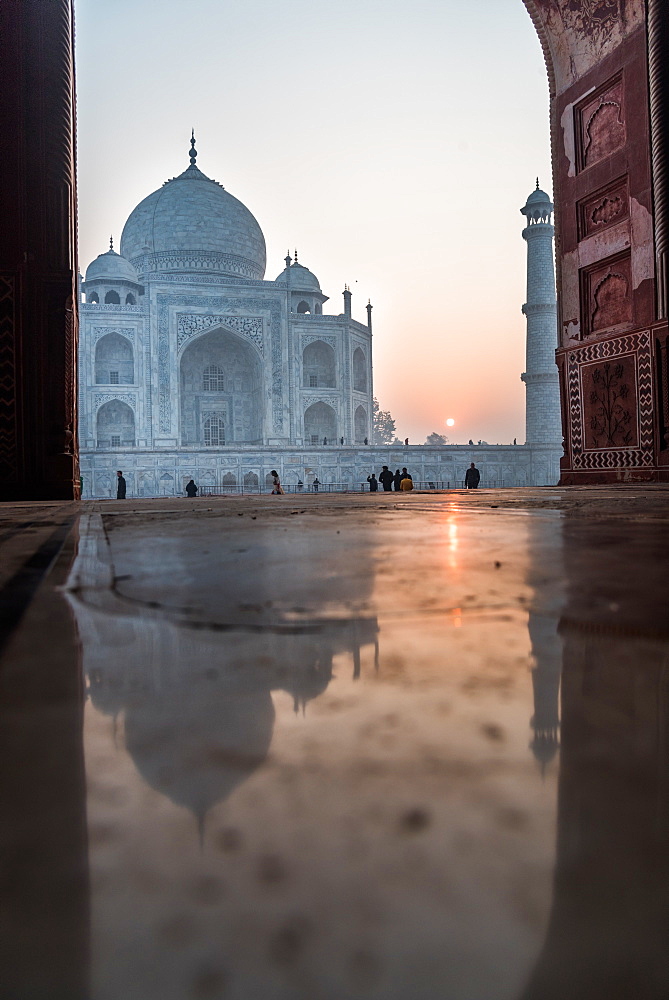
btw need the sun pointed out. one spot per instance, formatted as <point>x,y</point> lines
<point>450,422</point>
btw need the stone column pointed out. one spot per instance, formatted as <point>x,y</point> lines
<point>542,406</point>
<point>38,272</point>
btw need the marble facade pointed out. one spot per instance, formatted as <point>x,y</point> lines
<point>192,365</point>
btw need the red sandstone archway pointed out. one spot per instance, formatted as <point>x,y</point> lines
<point>610,52</point>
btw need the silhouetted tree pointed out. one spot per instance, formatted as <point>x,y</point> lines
<point>383,424</point>
<point>436,439</point>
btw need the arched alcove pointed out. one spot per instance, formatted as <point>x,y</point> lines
<point>359,370</point>
<point>93,299</point>
<point>251,479</point>
<point>221,387</point>
<point>130,299</point>
<point>360,422</point>
<point>303,307</point>
<point>115,425</point>
<point>113,298</point>
<point>114,362</point>
<point>229,479</point>
<point>318,365</point>
<point>320,424</point>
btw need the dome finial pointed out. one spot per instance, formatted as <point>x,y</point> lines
<point>296,256</point>
<point>288,259</point>
<point>537,183</point>
<point>111,243</point>
<point>193,150</point>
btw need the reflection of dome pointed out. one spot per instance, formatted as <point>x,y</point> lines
<point>195,215</point>
<point>195,744</point>
<point>301,278</point>
<point>111,265</point>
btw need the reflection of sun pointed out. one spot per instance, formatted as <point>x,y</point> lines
<point>453,542</point>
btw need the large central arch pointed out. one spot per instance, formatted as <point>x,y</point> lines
<point>221,391</point>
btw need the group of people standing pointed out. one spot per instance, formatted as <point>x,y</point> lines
<point>390,480</point>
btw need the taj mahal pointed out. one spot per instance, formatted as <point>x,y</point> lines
<point>193,365</point>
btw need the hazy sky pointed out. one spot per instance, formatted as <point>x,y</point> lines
<point>391,143</point>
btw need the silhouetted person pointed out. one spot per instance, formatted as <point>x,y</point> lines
<point>276,483</point>
<point>373,483</point>
<point>514,440</point>
<point>300,485</point>
<point>405,475</point>
<point>386,478</point>
<point>191,489</point>
<point>397,479</point>
<point>325,440</point>
<point>120,486</point>
<point>366,440</point>
<point>472,477</point>
<point>406,442</point>
<point>316,484</point>
<point>341,440</point>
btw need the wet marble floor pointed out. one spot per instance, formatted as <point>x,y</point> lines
<point>330,748</point>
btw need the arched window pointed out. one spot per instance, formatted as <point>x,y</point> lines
<point>115,425</point>
<point>113,299</point>
<point>114,363</point>
<point>213,379</point>
<point>318,363</point>
<point>250,479</point>
<point>320,424</point>
<point>360,425</point>
<point>214,431</point>
<point>130,299</point>
<point>269,479</point>
<point>229,479</point>
<point>303,307</point>
<point>94,299</point>
<point>359,371</point>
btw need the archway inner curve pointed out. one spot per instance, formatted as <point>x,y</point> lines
<point>221,386</point>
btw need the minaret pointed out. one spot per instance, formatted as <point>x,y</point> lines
<point>542,396</point>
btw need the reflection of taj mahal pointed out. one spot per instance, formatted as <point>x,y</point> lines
<point>191,362</point>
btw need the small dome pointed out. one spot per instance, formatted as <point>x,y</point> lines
<point>537,197</point>
<point>301,278</point>
<point>538,206</point>
<point>111,265</point>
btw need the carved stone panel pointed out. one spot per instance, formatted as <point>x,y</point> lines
<point>610,403</point>
<point>606,290</point>
<point>600,125</point>
<point>606,208</point>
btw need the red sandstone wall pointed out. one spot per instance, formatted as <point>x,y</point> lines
<point>609,351</point>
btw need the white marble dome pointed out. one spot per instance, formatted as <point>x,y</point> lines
<point>111,266</point>
<point>301,278</point>
<point>192,222</point>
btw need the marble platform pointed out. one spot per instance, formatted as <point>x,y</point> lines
<point>336,747</point>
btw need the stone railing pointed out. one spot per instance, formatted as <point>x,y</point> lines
<point>110,307</point>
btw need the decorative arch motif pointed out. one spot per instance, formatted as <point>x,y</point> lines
<point>319,365</point>
<point>320,423</point>
<point>250,327</point>
<point>115,425</point>
<point>270,306</point>
<point>114,360</point>
<point>360,422</point>
<point>359,370</point>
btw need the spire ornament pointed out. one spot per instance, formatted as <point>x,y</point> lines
<point>111,244</point>
<point>193,150</point>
